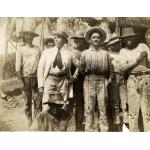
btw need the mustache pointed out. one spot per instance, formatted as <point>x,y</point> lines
<point>96,41</point>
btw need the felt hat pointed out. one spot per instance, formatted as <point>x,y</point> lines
<point>47,39</point>
<point>128,32</point>
<point>62,34</point>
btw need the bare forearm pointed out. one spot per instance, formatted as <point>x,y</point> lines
<point>127,68</point>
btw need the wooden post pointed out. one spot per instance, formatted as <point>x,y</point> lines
<point>9,29</point>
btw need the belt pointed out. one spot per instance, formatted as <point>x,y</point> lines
<point>140,73</point>
<point>118,73</point>
<point>55,75</point>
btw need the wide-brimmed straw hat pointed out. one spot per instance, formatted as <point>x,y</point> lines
<point>114,39</point>
<point>99,30</point>
<point>23,33</point>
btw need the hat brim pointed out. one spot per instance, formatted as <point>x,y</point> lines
<point>126,36</point>
<point>66,40</point>
<point>77,37</point>
<point>56,102</point>
<point>113,42</point>
<point>100,31</point>
<point>23,33</point>
<point>46,40</point>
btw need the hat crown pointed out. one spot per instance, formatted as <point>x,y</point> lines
<point>128,32</point>
<point>114,39</point>
<point>61,33</point>
<point>78,34</point>
<point>23,33</point>
<point>48,37</point>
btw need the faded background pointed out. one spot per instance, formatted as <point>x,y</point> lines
<point>11,109</point>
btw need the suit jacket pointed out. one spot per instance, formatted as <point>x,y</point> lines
<point>46,63</point>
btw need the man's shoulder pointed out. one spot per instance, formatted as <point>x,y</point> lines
<point>143,46</point>
<point>48,51</point>
<point>123,50</point>
<point>86,51</point>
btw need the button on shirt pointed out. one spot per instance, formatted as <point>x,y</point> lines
<point>95,60</point>
<point>27,59</point>
<point>129,57</point>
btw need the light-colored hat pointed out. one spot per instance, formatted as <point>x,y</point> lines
<point>99,30</point>
<point>114,39</point>
<point>127,32</point>
<point>62,34</point>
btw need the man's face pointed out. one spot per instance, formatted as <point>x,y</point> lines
<point>28,38</point>
<point>95,39</point>
<point>59,41</point>
<point>130,42</point>
<point>147,37</point>
<point>116,47</point>
<point>79,43</point>
<point>50,44</point>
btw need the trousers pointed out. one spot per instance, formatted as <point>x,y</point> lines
<point>124,100</point>
<point>79,103</point>
<point>114,100</point>
<point>95,92</point>
<point>138,90</point>
<point>31,93</point>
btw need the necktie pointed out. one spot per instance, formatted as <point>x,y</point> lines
<point>58,60</point>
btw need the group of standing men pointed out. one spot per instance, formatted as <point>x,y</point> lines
<point>96,86</point>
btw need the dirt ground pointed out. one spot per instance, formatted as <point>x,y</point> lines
<point>12,117</point>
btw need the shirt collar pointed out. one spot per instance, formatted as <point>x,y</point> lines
<point>62,49</point>
<point>93,49</point>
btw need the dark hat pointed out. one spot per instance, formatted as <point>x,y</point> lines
<point>28,32</point>
<point>99,30</point>
<point>91,21</point>
<point>62,34</point>
<point>21,35</point>
<point>56,99</point>
<point>128,32</point>
<point>47,39</point>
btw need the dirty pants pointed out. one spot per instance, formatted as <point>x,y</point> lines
<point>95,90</point>
<point>124,100</point>
<point>79,103</point>
<point>138,89</point>
<point>114,100</point>
<point>31,93</point>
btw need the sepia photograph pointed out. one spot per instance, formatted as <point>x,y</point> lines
<point>75,74</point>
